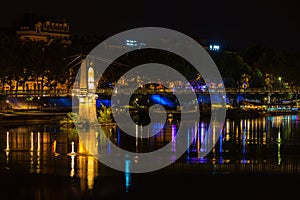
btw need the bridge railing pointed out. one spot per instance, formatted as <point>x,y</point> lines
<point>34,93</point>
<point>216,90</point>
<point>263,90</point>
<point>129,91</point>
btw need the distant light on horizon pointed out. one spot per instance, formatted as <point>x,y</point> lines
<point>134,43</point>
<point>214,47</point>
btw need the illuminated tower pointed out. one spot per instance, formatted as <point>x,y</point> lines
<point>87,106</point>
<point>87,97</point>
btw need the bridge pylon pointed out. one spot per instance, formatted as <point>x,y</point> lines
<point>86,94</point>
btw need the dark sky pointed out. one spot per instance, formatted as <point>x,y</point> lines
<point>234,24</point>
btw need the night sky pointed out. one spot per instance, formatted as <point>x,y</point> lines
<point>233,24</point>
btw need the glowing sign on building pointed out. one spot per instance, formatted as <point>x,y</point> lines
<point>134,43</point>
<point>214,47</point>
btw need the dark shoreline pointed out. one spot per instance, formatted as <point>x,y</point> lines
<point>30,117</point>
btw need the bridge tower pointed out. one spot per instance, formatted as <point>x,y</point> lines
<point>87,105</point>
<point>87,97</point>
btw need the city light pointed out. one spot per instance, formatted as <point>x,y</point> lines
<point>214,47</point>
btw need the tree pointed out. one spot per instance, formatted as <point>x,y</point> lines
<point>232,67</point>
<point>257,80</point>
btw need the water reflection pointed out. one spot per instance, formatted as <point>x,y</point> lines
<point>265,145</point>
<point>127,175</point>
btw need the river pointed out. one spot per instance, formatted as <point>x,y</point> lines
<point>42,160</point>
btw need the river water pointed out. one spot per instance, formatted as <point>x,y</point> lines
<point>42,160</point>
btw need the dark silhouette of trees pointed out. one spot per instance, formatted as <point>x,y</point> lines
<point>232,67</point>
<point>278,62</point>
<point>53,63</point>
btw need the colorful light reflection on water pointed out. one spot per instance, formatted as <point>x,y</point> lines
<point>267,145</point>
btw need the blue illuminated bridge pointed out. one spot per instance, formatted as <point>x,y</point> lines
<point>165,97</point>
<point>227,90</point>
<point>109,91</point>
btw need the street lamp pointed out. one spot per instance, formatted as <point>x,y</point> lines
<point>7,105</point>
<point>279,79</point>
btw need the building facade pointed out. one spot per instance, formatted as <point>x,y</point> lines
<point>46,31</point>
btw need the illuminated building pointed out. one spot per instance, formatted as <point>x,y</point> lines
<point>214,47</point>
<point>46,31</point>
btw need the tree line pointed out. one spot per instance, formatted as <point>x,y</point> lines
<point>260,67</point>
<point>54,63</point>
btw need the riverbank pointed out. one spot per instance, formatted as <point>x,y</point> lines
<point>28,117</point>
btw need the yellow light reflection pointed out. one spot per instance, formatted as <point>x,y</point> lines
<point>278,150</point>
<point>227,137</point>
<point>264,124</point>
<point>237,135</point>
<point>7,141</point>
<point>198,140</point>
<point>72,173</point>
<point>31,142</point>
<point>248,131</point>
<point>31,161</point>
<point>227,126</point>
<point>214,136</point>
<point>90,173</point>
<point>38,159</point>
<point>264,138</point>
<point>7,157</point>
<point>38,142</point>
